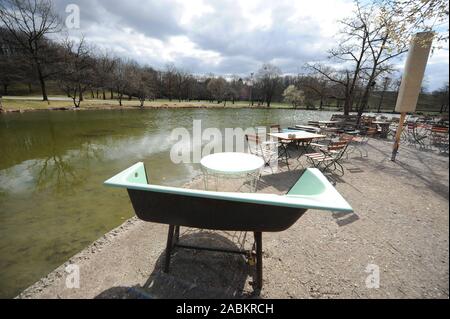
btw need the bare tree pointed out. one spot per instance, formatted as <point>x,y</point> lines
<point>29,21</point>
<point>169,79</point>
<point>352,52</point>
<point>235,88</point>
<point>200,88</point>
<point>123,78</point>
<point>144,83</point>
<point>76,72</point>
<point>442,96</point>
<point>384,88</point>
<point>314,87</point>
<point>182,78</point>
<point>365,49</point>
<point>344,80</point>
<point>104,69</point>
<point>218,88</point>
<point>382,49</point>
<point>269,80</point>
<point>13,67</point>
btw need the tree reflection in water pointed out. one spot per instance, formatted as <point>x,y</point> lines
<point>58,171</point>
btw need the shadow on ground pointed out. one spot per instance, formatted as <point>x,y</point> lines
<point>281,181</point>
<point>344,218</point>
<point>422,168</point>
<point>196,274</point>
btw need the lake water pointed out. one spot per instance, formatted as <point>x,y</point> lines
<point>53,164</point>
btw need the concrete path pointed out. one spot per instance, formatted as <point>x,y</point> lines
<point>35,98</point>
<point>400,228</point>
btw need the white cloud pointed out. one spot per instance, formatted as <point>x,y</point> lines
<point>223,37</point>
<point>193,9</point>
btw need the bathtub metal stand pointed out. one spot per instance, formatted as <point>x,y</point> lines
<point>173,237</point>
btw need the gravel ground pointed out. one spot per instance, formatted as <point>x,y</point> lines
<point>400,224</point>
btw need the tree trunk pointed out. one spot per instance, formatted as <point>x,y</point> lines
<point>104,94</point>
<point>363,103</point>
<point>372,78</point>
<point>42,82</point>
<point>112,94</point>
<point>381,102</point>
<point>347,105</point>
<point>5,89</point>
<point>74,98</point>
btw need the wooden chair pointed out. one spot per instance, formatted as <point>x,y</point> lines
<point>355,143</point>
<point>417,134</point>
<point>439,138</point>
<point>328,158</point>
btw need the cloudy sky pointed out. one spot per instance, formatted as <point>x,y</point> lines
<point>222,37</point>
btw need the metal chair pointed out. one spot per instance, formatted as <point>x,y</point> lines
<point>355,143</point>
<point>328,158</point>
<point>267,150</point>
<point>439,138</point>
<point>283,146</point>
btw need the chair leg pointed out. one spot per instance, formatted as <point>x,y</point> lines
<point>287,164</point>
<point>286,157</point>
<point>169,248</point>
<point>259,269</point>
<point>341,168</point>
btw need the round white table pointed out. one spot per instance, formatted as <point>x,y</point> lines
<point>232,164</point>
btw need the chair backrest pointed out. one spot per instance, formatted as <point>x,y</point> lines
<point>338,148</point>
<point>275,128</point>
<point>439,130</point>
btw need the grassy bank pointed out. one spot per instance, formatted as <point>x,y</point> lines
<point>58,102</point>
<point>11,104</point>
